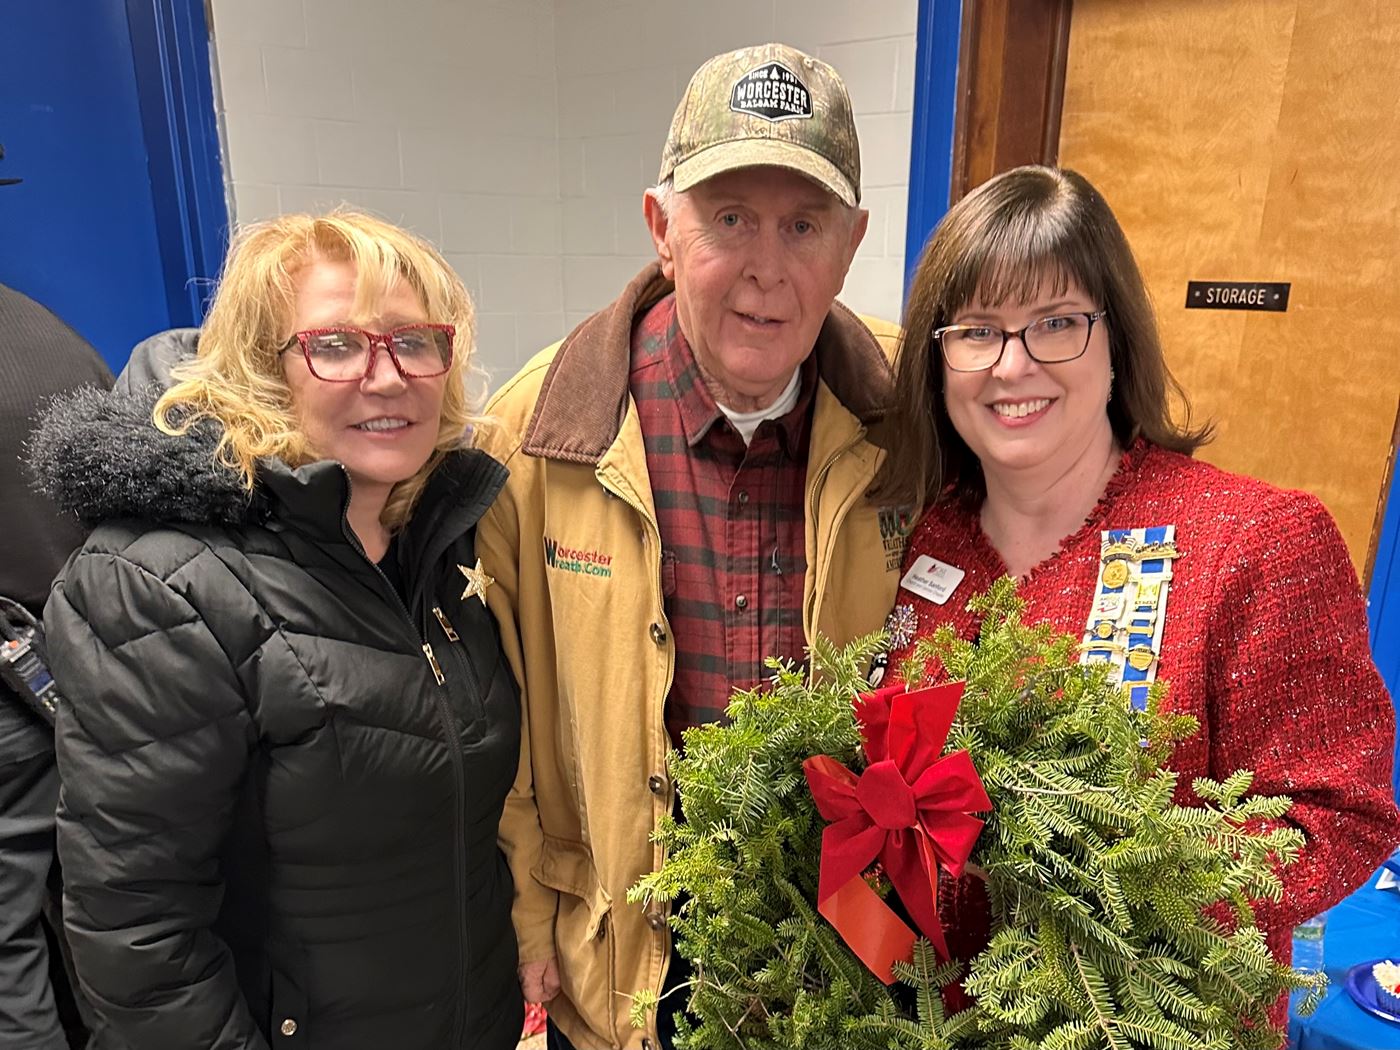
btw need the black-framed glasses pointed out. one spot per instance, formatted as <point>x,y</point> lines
<point>345,354</point>
<point>1050,341</point>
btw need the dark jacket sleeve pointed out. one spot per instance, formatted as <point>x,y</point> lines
<point>40,357</point>
<point>152,749</point>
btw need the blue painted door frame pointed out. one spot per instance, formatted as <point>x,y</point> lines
<point>174,77</point>
<point>930,180</point>
<point>118,221</point>
<point>1385,603</point>
<point>935,109</point>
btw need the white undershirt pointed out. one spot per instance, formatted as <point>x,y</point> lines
<point>747,422</point>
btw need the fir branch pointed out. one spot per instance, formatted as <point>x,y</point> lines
<point>1120,919</point>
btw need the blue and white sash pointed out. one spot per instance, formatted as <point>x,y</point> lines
<point>1130,606</point>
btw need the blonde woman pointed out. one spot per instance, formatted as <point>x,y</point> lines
<point>289,730</point>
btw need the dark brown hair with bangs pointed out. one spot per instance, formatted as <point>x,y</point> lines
<point>1005,239</point>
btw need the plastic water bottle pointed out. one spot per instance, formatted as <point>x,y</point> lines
<point>1307,952</point>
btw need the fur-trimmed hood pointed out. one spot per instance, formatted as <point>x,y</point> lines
<point>98,455</point>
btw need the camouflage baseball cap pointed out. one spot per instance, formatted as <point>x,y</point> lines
<point>769,104</point>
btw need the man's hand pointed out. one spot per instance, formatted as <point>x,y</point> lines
<point>539,981</point>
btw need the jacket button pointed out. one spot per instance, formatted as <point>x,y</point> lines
<point>658,634</point>
<point>656,784</point>
<point>289,1027</point>
<point>741,602</point>
<point>656,920</point>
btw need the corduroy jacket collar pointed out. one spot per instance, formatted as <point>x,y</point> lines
<point>583,398</point>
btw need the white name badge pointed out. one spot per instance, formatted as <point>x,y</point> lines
<point>932,579</point>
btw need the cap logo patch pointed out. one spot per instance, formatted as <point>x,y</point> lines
<point>772,92</point>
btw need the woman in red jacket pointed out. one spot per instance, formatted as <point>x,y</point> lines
<point>1033,401</point>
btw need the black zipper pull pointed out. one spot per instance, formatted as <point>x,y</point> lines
<point>447,629</point>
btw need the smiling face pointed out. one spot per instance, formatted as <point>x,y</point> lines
<point>1020,415</point>
<point>383,428</point>
<point>757,256</point>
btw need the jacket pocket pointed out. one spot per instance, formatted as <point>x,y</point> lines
<point>582,932</point>
<point>668,574</point>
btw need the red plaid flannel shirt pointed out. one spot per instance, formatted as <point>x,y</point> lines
<point>733,537</point>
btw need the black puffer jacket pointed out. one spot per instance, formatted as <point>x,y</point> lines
<point>278,825</point>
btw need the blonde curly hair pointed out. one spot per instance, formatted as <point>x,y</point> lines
<point>237,377</point>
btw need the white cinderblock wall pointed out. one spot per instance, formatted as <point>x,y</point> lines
<point>519,135</point>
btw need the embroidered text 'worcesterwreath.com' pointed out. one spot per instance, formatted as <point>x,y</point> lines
<point>576,560</point>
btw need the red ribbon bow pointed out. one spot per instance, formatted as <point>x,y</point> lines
<point>911,809</point>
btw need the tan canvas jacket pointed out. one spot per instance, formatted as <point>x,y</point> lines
<point>574,547</point>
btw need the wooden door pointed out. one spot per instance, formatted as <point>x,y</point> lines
<point>1259,140</point>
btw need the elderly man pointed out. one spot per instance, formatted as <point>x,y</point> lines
<point>687,497</point>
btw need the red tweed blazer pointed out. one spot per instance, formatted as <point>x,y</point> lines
<point>1265,643</point>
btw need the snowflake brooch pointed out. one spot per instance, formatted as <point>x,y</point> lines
<point>902,625</point>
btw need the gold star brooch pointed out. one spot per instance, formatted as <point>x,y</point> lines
<point>477,581</point>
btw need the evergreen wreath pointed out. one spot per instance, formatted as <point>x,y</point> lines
<point>1120,920</point>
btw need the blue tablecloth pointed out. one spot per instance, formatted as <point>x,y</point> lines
<point>1363,927</point>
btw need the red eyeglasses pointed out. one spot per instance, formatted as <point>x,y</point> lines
<point>345,354</point>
